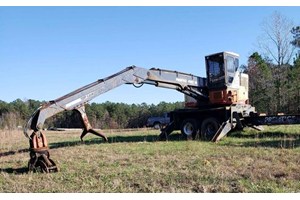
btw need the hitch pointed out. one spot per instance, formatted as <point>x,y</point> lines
<point>39,154</point>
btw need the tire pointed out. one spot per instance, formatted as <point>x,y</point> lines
<point>189,128</point>
<point>209,127</point>
<point>157,125</point>
<point>43,166</point>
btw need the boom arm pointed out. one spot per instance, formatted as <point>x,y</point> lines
<point>185,83</point>
<point>76,100</point>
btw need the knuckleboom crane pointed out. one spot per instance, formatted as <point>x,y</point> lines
<point>39,152</point>
<point>214,105</point>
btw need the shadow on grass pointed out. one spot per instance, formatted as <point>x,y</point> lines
<point>276,139</point>
<point>115,139</point>
<point>256,139</point>
<point>8,153</point>
<point>21,170</point>
<point>257,134</point>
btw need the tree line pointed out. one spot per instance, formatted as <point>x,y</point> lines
<point>101,115</point>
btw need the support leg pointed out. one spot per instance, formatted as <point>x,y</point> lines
<point>165,132</point>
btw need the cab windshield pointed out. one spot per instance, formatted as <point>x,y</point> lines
<point>215,74</point>
<point>221,68</point>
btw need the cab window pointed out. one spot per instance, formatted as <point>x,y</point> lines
<point>230,69</point>
<point>216,74</point>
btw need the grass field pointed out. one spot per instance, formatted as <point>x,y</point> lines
<point>134,161</point>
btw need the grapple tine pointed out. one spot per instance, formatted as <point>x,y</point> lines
<point>83,134</point>
<point>95,133</point>
<point>87,126</point>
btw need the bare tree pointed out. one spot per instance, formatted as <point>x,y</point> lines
<point>275,41</point>
<point>296,42</point>
<point>296,35</point>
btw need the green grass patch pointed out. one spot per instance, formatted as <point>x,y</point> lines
<point>135,161</point>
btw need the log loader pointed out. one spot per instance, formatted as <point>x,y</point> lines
<point>214,105</point>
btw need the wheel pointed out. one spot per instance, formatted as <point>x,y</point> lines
<point>41,162</point>
<point>43,166</point>
<point>47,165</point>
<point>54,168</point>
<point>157,125</point>
<point>209,128</point>
<point>189,128</point>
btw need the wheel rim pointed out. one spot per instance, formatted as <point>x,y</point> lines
<point>210,129</point>
<point>188,129</point>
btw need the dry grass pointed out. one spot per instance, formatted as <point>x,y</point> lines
<point>135,162</point>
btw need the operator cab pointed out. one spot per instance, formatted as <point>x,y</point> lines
<point>225,84</point>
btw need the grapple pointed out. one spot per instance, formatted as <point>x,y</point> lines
<point>39,154</point>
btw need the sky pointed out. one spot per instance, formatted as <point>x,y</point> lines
<point>47,52</point>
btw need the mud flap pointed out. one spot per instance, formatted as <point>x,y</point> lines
<point>222,131</point>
